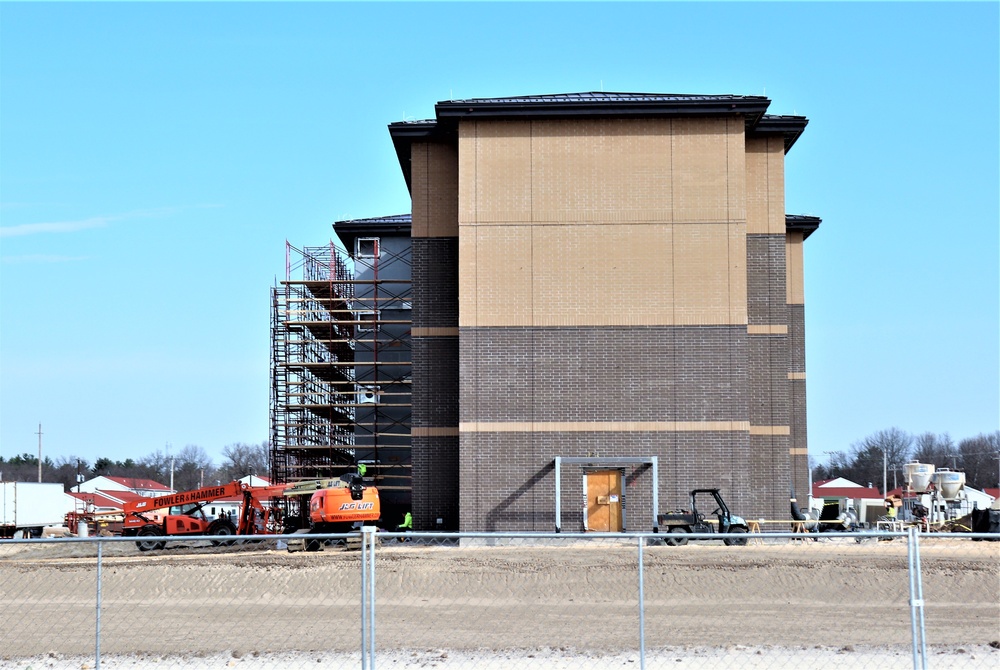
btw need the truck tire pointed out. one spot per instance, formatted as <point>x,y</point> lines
<point>150,545</point>
<point>737,537</point>
<point>678,536</point>
<point>221,527</point>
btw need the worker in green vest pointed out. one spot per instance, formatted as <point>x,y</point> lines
<point>406,526</point>
<point>362,469</point>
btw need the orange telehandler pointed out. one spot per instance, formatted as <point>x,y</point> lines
<point>335,506</point>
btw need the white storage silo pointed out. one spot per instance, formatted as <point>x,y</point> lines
<point>949,483</point>
<point>918,476</point>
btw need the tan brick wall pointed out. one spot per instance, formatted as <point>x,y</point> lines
<point>795,283</point>
<point>434,170</point>
<point>602,222</point>
<point>765,180</point>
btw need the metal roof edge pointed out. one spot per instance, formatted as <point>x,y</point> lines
<point>791,127</point>
<point>803,223</point>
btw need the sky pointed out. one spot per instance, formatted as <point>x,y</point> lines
<point>155,158</point>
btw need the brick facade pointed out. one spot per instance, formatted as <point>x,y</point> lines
<point>603,284</point>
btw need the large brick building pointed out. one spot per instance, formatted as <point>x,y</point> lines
<point>607,309</point>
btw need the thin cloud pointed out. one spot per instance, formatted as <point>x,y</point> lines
<point>90,223</point>
<point>55,226</point>
<point>41,258</point>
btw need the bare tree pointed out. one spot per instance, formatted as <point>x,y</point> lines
<point>890,448</point>
<point>241,459</point>
<point>980,458</point>
<point>190,467</point>
<point>67,468</point>
<point>937,450</point>
<point>156,466</point>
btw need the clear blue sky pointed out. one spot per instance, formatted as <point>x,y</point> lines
<point>154,158</point>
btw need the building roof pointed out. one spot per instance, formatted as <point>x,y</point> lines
<point>846,492</point>
<point>138,483</point>
<point>110,499</point>
<point>837,481</point>
<point>349,231</point>
<point>448,113</point>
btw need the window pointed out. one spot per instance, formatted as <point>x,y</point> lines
<point>366,247</point>
<point>367,321</point>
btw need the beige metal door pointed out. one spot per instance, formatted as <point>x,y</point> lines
<point>604,501</point>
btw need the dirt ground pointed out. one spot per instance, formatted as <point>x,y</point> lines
<point>833,603</point>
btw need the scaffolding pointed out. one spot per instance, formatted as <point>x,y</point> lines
<point>340,368</point>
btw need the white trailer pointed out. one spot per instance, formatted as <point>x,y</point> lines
<point>27,507</point>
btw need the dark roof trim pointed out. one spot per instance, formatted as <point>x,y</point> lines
<point>567,105</point>
<point>349,231</point>
<point>807,225</point>
<point>790,127</point>
<point>405,133</point>
<point>594,104</point>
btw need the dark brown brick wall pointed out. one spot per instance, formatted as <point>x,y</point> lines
<point>797,399</point>
<point>435,282</point>
<point>435,482</point>
<point>768,475</point>
<point>508,479</point>
<point>654,373</point>
<point>435,384</point>
<point>768,379</point>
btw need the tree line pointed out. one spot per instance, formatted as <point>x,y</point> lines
<point>862,463</point>
<point>192,467</point>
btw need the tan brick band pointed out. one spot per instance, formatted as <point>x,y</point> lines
<point>796,375</point>
<point>601,426</point>
<point>767,330</point>
<point>434,332</point>
<point>798,451</point>
<point>770,430</point>
<point>446,431</point>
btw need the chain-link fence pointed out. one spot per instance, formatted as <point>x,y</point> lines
<point>457,601</point>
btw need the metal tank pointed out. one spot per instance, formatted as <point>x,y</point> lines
<point>949,482</point>
<point>918,476</point>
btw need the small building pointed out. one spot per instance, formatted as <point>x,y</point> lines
<point>833,496</point>
<point>146,488</point>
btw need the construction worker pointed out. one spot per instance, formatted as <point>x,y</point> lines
<point>362,469</point>
<point>890,512</point>
<point>406,526</point>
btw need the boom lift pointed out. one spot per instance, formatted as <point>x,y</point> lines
<point>182,514</point>
<point>335,506</point>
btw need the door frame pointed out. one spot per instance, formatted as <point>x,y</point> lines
<point>586,497</point>
<point>609,464</point>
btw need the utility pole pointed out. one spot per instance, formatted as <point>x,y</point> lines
<point>39,453</point>
<point>885,471</point>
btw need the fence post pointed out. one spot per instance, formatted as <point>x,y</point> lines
<point>642,608</point>
<point>97,631</point>
<point>364,603</point>
<point>368,596</point>
<point>917,629</point>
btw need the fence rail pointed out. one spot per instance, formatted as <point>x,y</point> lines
<point>482,600</point>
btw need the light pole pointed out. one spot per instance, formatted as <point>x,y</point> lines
<point>885,471</point>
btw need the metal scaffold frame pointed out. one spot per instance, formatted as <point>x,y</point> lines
<point>340,387</point>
